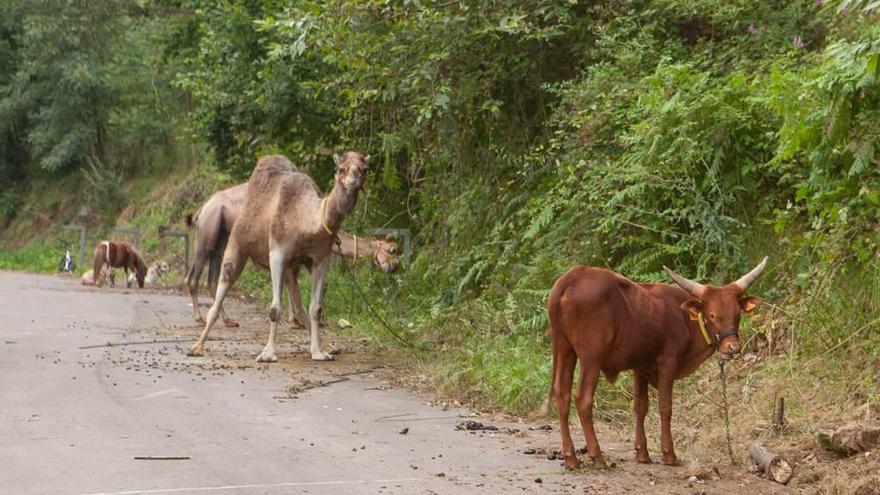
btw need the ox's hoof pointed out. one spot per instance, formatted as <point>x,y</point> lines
<point>267,357</point>
<point>230,323</point>
<point>599,462</point>
<point>571,462</point>
<point>671,460</point>
<point>321,356</point>
<point>643,458</point>
<point>196,351</point>
<point>200,320</point>
<point>295,325</point>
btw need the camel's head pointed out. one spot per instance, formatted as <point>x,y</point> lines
<point>351,170</point>
<point>386,254</point>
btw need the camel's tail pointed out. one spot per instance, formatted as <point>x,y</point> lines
<point>190,219</point>
<point>216,257</point>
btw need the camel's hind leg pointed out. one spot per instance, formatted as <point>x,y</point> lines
<point>192,283</point>
<point>297,314</point>
<point>319,270</point>
<point>586,388</point>
<point>213,275</point>
<point>564,360</point>
<point>233,263</point>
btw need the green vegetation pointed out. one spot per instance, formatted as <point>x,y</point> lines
<point>515,138</point>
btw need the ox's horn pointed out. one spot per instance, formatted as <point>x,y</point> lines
<point>687,284</point>
<point>746,280</point>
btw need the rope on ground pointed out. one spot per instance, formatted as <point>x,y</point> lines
<point>378,317</point>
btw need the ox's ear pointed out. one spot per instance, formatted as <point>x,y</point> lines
<point>749,303</point>
<point>693,306</point>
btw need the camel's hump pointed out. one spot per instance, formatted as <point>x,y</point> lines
<point>274,165</point>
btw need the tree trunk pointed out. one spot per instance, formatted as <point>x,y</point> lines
<point>775,467</point>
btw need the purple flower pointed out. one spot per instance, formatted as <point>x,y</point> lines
<point>798,42</point>
<point>752,28</point>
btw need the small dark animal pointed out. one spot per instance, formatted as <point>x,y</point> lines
<point>661,332</point>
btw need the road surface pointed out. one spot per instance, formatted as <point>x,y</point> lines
<point>94,378</point>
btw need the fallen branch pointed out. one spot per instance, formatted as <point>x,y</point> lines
<point>774,467</point>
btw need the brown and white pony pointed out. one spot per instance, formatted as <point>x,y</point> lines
<point>119,255</point>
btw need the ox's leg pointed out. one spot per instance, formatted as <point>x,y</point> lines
<point>664,392</point>
<point>584,401</point>
<point>640,410</point>
<point>319,270</point>
<point>233,263</point>
<point>277,267</point>
<point>564,360</point>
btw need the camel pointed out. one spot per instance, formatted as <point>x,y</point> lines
<point>285,224</point>
<point>118,255</point>
<point>213,223</point>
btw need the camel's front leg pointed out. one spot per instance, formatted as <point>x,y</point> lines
<point>276,266</point>
<point>319,271</point>
<point>233,263</point>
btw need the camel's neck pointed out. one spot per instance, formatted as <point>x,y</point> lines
<point>339,205</point>
<point>355,247</point>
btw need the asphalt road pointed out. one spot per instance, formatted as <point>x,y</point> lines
<point>74,419</point>
<point>75,413</point>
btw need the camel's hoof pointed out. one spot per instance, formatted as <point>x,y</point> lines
<point>196,352</point>
<point>267,357</point>
<point>671,460</point>
<point>230,323</point>
<point>321,356</point>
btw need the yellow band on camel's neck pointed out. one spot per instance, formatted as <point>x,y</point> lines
<point>324,222</point>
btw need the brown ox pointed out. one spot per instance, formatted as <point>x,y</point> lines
<point>661,332</point>
<point>119,255</point>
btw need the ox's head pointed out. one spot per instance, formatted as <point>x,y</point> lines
<point>385,254</point>
<point>351,170</point>
<point>718,309</point>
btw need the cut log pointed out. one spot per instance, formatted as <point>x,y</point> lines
<point>774,467</point>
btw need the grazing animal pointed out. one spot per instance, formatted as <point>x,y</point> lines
<point>154,273</point>
<point>213,223</point>
<point>661,332</point>
<point>118,255</point>
<point>284,225</point>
